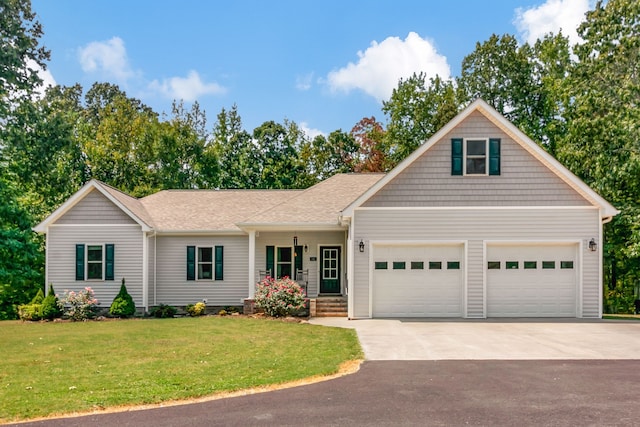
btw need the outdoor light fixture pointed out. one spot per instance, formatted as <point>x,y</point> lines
<point>306,248</point>
<point>361,246</point>
<point>593,245</point>
<point>295,240</point>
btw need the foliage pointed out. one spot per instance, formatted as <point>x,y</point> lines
<point>197,309</point>
<point>279,297</point>
<point>51,305</point>
<point>620,299</point>
<point>30,312</point>
<point>163,311</point>
<point>81,305</point>
<point>122,305</point>
<point>373,154</point>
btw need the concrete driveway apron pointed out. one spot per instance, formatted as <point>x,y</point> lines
<point>517,339</point>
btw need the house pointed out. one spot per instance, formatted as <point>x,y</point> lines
<point>478,222</point>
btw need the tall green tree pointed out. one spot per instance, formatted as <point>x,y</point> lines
<point>417,109</point>
<point>277,153</point>
<point>324,157</point>
<point>602,141</point>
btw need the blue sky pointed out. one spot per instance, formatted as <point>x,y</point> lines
<point>323,64</point>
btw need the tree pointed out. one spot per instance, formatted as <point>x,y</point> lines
<point>602,141</point>
<point>20,54</point>
<point>277,154</point>
<point>417,109</point>
<point>373,155</point>
<point>326,156</point>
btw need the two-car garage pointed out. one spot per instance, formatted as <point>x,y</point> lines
<point>520,280</point>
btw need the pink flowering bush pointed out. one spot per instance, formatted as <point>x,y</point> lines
<point>279,297</point>
<point>79,306</point>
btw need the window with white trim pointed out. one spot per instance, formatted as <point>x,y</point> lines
<point>205,263</point>
<point>95,261</point>
<point>475,154</point>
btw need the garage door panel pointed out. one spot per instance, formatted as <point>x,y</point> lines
<point>547,290</point>
<point>420,291</point>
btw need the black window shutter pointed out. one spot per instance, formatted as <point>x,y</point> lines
<point>219,263</point>
<point>191,263</point>
<point>298,261</point>
<point>456,156</point>
<point>494,156</point>
<point>109,261</point>
<point>79,262</point>
<point>270,259</point>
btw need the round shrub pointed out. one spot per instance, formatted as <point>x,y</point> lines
<point>197,309</point>
<point>279,297</point>
<point>163,311</point>
<point>122,305</point>
<point>33,310</point>
<point>81,305</point>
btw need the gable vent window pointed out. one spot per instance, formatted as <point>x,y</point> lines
<point>475,156</point>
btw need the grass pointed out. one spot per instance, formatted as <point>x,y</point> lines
<point>57,368</point>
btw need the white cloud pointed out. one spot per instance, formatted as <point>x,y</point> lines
<point>304,82</point>
<point>310,132</point>
<point>380,67</point>
<point>108,58</point>
<point>550,17</point>
<point>187,88</point>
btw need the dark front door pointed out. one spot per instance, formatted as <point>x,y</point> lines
<point>330,269</point>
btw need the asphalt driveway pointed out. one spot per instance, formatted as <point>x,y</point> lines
<point>518,339</point>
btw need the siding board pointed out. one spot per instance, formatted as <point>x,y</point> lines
<point>95,208</point>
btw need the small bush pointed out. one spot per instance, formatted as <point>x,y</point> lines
<point>279,297</point>
<point>163,311</point>
<point>81,305</point>
<point>222,312</point>
<point>33,310</point>
<point>197,309</point>
<point>51,306</point>
<point>122,305</point>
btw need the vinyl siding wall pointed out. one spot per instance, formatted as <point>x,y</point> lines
<point>523,181</point>
<point>172,286</point>
<point>476,226</point>
<point>61,251</point>
<point>95,208</point>
<point>313,240</point>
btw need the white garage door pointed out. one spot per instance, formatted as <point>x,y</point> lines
<point>417,281</point>
<point>531,281</point>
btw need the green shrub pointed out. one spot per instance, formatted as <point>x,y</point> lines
<point>122,305</point>
<point>222,312</point>
<point>51,306</point>
<point>163,311</point>
<point>197,309</point>
<point>279,297</point>
<point>33,310</point>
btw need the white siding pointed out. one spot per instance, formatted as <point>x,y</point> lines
<point>95,208</point>
<point>477,226</point>
<point>523,180</point>
<point>313,240</point>
<point>61,253</point>
<point>172,286</point>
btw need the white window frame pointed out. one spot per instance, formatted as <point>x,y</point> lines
<point>199,262</point>
<point>485,157</point>
<point>102,261</point>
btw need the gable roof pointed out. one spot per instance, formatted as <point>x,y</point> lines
<point>606,209</point>
<point>129,205</point>
<point>317,206</point>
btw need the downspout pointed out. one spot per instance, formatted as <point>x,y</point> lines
<point>155,267</point>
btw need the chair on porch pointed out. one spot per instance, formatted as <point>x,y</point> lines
<point>302,277</point>
<point>264,274</point>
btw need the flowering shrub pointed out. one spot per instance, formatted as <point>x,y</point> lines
<point>279,297</point>
<point>196,310</point>
<point>79,305</point>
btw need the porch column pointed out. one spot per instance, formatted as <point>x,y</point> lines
<point>252,264</point>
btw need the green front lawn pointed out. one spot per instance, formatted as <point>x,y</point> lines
<point>57,368</point>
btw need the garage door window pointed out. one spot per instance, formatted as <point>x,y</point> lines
<point>417,265</point>
<point>547,265</point>
<point>566,264</point>
<point>530,265</point>
<point>512,265</point>
<point>435,265</point>
<point>399,265</point>
<point>381,265</point>
<point>493,265</point>
<point>453,265</point>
